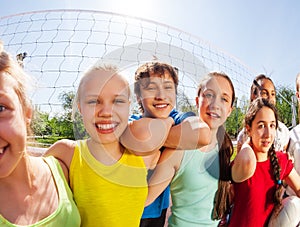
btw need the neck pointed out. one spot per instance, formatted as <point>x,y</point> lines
<point>108,153</point>
<point>22,176</point>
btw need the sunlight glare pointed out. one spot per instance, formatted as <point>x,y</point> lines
<point>135,8</point>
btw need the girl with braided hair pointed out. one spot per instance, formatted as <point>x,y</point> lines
<point>258,171</point>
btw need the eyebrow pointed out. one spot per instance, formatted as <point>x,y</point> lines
<point>265,122</point>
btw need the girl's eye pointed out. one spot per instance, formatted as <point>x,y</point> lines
<point>2,108</point>
<point>273,125</point>
<point>92,102</point>
<point>208,95</point>
<point>261,126</point>
<point>225,99</point>
<point>120,101</point>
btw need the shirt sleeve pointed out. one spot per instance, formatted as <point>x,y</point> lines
<point>285,163</point>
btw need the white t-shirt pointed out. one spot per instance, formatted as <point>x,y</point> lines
<point>294,151</point>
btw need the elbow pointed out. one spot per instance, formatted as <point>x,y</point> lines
<point>242,172</point>
<point>148,202</point>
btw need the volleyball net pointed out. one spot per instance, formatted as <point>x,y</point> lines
<point>56,46</point>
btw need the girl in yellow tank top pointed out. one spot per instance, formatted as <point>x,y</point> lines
<point>108,182</point>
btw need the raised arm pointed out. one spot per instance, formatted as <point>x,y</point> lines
<point>244,164</point>
<point>146,135</point>
<point>192,133</point>
<point>164,172</point>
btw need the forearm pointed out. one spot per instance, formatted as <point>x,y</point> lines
<point>190,134</point>
<point>146,135</point>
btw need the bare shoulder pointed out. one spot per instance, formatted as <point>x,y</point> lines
<point>62,145</point>
<point>62,150</point>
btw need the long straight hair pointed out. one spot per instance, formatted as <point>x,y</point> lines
<point>223,198</point>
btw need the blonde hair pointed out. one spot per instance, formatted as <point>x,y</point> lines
<point>23,81</point>
<point>98,66</point>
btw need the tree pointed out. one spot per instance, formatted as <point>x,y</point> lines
<point>234,122</point>
<point>39,124</point>
<point>284,105</point>
<point>69,124</point>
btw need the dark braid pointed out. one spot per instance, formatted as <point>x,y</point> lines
<point>254,107</point>
<point>223,195</point>
<point>278,181</point>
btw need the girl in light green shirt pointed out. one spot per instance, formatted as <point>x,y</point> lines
<point>200,179</point>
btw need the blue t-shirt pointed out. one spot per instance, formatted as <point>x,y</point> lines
<point>163,201</point>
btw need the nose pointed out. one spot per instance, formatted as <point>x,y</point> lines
<point>215,103</point>
<point>267,131</point>
<point>160,94</point>
<point>104,110</point>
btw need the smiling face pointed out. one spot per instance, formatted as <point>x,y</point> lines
<point>266,90</point>
<point>157,95</point>
<point>214,101</point>
<point>104,105</point>
<point>262,132</point>
<point>13,126</point>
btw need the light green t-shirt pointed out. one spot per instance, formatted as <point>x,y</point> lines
<point>193,189</point>
<point>67,214</point>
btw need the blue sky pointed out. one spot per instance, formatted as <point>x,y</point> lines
<point>263,34</point>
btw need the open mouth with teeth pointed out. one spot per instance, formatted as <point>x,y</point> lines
<point>161,106</point>
<point>106,128</point>
<point>214,115</point>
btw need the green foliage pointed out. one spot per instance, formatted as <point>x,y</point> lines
<point>234,122</point>
<point>39,123</point>
<point>283,105</point>
<point>48,130</point>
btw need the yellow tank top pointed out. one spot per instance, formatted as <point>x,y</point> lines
<point>109,196</point>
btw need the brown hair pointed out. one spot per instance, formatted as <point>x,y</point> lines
<point>223,195</point>
<point>254,107</point>
<point>255,87</point>
<point>152,68</point>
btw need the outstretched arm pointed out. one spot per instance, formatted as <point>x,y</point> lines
<point>192,133</point>
<point>164,172</point>
<point>146,135</point>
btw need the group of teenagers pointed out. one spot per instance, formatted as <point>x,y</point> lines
<point>132,169</point>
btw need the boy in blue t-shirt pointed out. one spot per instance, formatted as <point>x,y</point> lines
<point>155,88</point>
